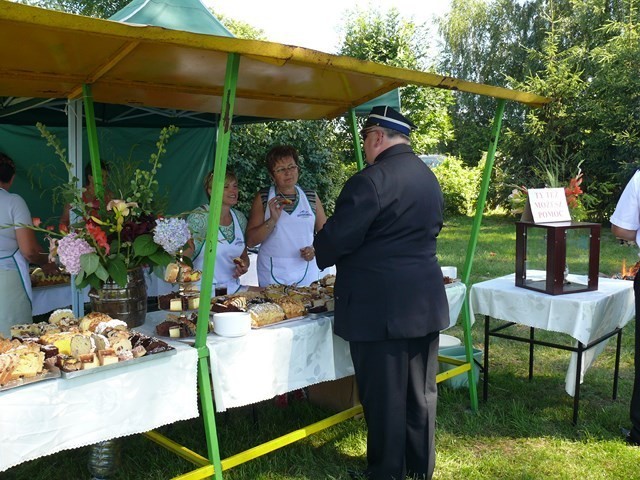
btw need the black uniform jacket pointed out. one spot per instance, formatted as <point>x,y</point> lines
<point>382,239</point>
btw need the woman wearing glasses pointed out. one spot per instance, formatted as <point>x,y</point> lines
<point>283,220</point>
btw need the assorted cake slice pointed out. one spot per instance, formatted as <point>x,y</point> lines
<point>71,344</point>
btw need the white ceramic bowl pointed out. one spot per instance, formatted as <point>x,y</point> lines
<point>231,324</point>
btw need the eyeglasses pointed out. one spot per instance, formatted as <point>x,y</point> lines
<point>290,168</point>
<point>366,131</point>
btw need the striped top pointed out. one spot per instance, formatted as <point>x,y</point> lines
<point>311,196</point>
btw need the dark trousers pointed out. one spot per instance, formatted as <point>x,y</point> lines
<point>397,385</point>
<point>635,397</point>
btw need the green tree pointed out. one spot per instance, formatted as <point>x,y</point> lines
<point>89,8</point>
<point>239,28</point>
<point>579,52</point>
<point>392,40</point>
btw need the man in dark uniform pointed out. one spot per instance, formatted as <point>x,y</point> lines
<point>390,302</point>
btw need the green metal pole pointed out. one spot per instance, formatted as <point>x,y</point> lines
<point>94,151</point>
<point>471,248</point>
<point>215,206</point>
<point>353,125</point>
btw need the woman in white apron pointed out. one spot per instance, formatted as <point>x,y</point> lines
<point>231,244</point>
<point>18,247</point>
<point>283,220</point>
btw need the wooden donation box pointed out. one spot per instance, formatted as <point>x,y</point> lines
<point>547,252</point>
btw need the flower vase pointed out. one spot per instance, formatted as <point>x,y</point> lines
<point>128,303</point>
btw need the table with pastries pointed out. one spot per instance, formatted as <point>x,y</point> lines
<point>283,357</point>
<point>58,414</point>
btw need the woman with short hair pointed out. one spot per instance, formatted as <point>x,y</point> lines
<point>283,220</point>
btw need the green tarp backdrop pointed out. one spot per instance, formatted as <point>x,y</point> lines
<point>184,166</point>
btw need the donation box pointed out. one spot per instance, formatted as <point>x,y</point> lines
<point>547,252</point>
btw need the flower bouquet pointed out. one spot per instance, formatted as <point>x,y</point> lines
<point>109,239</point>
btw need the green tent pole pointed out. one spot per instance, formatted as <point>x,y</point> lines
<point>353,125</point>
<point>74,127</point>
<point>215,206</point>
<point>94,151</point>
<point>471,248</point>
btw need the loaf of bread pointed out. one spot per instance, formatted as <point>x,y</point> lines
<point>8,363</point>
<point>80,345</point>
<point>63,317</point>
<point>291,306</point>
<point>90,321</point>
<point>29,365</point>
<point>266,314</point>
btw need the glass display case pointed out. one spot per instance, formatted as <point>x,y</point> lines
<point>547,252</point>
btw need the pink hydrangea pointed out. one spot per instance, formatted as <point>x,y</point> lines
<point>70,248</point>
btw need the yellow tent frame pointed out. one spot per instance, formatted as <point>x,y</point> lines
<point>74,57</point>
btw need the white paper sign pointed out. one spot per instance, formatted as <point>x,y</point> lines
<point>548,205</point>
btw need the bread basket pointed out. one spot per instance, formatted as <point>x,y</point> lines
<point>231,324</point>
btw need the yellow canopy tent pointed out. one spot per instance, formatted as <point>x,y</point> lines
<point>68,56</point>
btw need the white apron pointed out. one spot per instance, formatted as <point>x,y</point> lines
<point>279,260</point>
<point>23,268</point>
<point>225,253</point>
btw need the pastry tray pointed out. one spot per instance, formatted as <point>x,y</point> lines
<point>282,322</point>
<point>178,312</point>
<point>51,285</point>
<point>121,364</point>
<point>52,372</point>
<point>328,313</point>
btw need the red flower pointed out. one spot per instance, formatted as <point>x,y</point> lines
<point>36,221</point>
<point>98,235</point>
<point>51,228</point>
<point>63,228</point>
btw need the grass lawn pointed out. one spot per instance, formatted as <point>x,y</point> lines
<point>523,432</point>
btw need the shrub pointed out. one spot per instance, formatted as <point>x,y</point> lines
<point>460,185</point>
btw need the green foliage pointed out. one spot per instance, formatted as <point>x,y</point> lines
<point>581,53</point>
<point>318,145</point>
<point>460,185</point>
<point>89,8</point>
<point>392,40</point>
<point>239,28</point>
<point>143,186</point>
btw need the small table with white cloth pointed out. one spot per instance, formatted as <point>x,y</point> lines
<point>61,414</point>
<point>589,317</point>
<point>280,358</point>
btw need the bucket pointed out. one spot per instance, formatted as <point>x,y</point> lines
<point>458,353</point>
<point>447,341</point>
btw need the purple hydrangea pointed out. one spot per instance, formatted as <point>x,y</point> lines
<point>70,248</point>
<point>171,234</point>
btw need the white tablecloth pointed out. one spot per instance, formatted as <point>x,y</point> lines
<point>60,414</point>
<point>584,316</point>
<point>281,358</point>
